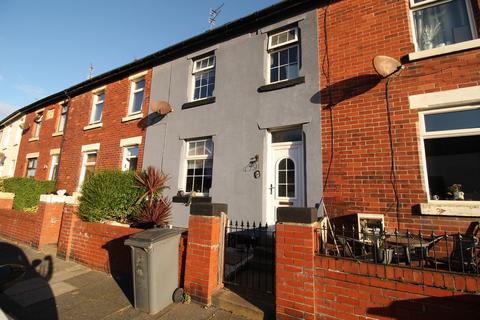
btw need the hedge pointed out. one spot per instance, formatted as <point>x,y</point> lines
<point>27,191</point>
<point>110,195</point>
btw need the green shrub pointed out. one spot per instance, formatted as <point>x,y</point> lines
<point>110,195</point>
<point>2,187</point>
<point>27,191</point>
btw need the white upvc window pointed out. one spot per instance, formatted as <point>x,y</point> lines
<point>198,166</point>
<point>37,125</point>
<point>31,167</point>
<point>203,77</point>
<point>283,55</point>
<point>63,118</point>
<point>6,137</point>
<point>54,167</point>
<point>88,166</point>
<point>130,158</point>
<point>450,141</point>
<point>137,94</point>
<point>439,23</point>
<point>97,108</point>
<point>18,135</point>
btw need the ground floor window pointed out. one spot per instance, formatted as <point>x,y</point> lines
<point>54,167</point>
<point>31,167</point>
<point>88,166</point>
<point>199,166</point>
<point>451,142</point>
<point>130,158</point>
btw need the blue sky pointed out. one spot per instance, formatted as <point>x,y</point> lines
<point>47,46</point>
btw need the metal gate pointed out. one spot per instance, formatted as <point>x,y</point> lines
<point>249,259</point>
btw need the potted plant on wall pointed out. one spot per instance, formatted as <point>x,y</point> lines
<point>155,209</point>
<point>455,190</point>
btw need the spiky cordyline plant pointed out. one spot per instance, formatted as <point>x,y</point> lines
<point>153,181</point>
<point>156,213</point>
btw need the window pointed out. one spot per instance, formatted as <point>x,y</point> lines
<point>31,167</point>
<point>451,141</point>
<point>63,118</point>
<point>18,135</point>
<point>6,137</point>
<point>204,77</point>
<point>130,158</point>
<point>97,108</point>
<point>37,125</point>
<point>54,167</point>
<point>283,55</point>
<point>88,166</point>
<point>286,178</point>
<point>438,23</point>
<point>199,166</point>
<point>136,96</point>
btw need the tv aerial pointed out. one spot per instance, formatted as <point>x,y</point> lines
<point>212,16</point>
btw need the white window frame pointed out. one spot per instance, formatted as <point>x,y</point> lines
<point>37,125</point>
<point>186,157</point>
<point>53,164</point>
<point>96,102</point>
<point>297,45</point>
<point>6,137</point>
<point>133,91</point>
<point>62,119</point>
<point>84,167</point>
<point>196,71</point>
<point>18,136</point>
<point>272,47</point>
<point>126,157</point>
<point>36,166</point>
<point>424,135</point>
<point>431,3</point>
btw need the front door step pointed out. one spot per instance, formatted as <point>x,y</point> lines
<point>241,304</point>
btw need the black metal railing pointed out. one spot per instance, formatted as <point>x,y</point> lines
<point>249,260</point>
<point>439,251</point>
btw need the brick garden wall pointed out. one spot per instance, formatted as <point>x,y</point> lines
<point>346,289</point>
<point>359,179</point>
<point>18,225</point>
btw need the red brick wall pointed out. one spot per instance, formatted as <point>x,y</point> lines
<point>346,289</point>
<point>49,222</point>
<point>98,246</point>
<point>18,225</point>
<point>43,145</point>
<point>117,97</point>
<point>6,203</point>
<point>359,179</point>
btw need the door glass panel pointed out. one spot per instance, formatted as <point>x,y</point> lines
<point>287,135</point>
<point>286,178</point>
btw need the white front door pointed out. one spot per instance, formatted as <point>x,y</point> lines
<point>286,178</point>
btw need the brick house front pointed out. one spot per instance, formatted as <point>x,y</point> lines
<point>431,118</point>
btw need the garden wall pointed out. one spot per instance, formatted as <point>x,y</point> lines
<point>347,289</point>
<point>18,225</point>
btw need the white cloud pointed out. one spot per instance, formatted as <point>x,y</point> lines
<point>31,91</point>
<point>6,109</point>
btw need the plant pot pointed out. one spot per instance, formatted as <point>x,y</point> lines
<point>61,192</point>
<point>385,256</point>
<point>459,195</point>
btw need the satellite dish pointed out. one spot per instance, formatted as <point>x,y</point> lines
<point>161,107</point>
<point>24,126</point>
<point>386,66</point>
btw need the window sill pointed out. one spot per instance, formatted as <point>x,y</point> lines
<point>93,126</point>
<point>281,85</point>
<point>33,139</point>
<point>56,134</point>
<point>184,199</point>
<point>197,103</point>
<point>451,208</point>
<point>133,116</point>
<point>466,45</point>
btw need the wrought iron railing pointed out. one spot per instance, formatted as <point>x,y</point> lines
<point>250,256</point>
<point>437,251</point>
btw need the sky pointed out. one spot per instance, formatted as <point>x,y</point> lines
<point>47,46</point>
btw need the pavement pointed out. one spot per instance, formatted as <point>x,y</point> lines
<point>54,289</point>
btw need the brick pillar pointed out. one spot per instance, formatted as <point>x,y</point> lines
<point>6,200</point>
<point>49,218</point>
<point>69,219</point>
<point>203,250</point>
<point>295,267</point>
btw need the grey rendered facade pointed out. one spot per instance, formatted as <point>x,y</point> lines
<point>239,120</point>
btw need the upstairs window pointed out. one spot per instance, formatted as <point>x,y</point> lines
<point>451,142</point>
<point>199,166</point>
<point>203,78</point>
<point>137,96</point>
<point>97,109</point>
<point>6,137</point>
<point>283,50</point>
<point>439,23</point>
<point>37,125</point>
<point>63,118</point>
